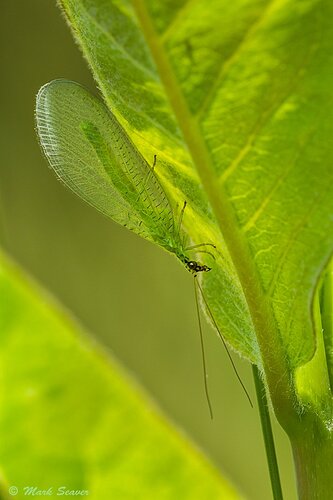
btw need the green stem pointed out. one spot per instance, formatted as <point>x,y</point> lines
<point>313,457</point>
<point>268,435</point>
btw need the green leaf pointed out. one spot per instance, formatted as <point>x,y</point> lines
<point>234,97</point>
<point>71,418</point>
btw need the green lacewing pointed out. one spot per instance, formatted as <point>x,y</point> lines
<point>91,153</point>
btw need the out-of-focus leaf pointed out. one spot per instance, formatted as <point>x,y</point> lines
<point>70,418</point>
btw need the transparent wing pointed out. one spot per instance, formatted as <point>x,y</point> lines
<point>91,153</point>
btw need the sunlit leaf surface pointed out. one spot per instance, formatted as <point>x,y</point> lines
<point>238,95</point>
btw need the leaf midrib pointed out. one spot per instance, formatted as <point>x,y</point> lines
<point>276,366</point>
<point>253,28</point>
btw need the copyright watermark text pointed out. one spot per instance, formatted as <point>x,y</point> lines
<point>34,491</point>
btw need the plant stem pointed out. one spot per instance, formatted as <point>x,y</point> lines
<point>313,457</point>
<point>268,435</point>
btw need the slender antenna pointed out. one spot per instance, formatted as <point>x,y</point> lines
<point>202,350</point>
<point>154,163</point>
<point>181,215</point>
<point>225,345</point>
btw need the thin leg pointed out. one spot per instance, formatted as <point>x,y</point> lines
<point>202,349</point>
<point>225,345</point>
<point>201,245</point>
<point>205,251</point>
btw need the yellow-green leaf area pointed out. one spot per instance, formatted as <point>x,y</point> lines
<point>235,100</point>
<point>148,118</point>
<point>70,417</point>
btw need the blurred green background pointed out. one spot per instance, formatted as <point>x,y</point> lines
<point>134,298</point>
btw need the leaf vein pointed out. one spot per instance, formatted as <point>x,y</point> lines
<point>135,62</point>
<point>294,233</point>
<point>267,115</point>
<point>284,174</point>
<point>177,19</point>
<point>253,28</point>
